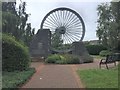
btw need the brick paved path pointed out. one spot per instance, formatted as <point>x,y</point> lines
<point>54,76</point>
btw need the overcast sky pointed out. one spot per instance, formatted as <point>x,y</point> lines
<point>86,9</point>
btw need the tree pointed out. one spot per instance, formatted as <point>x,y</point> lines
<point>108,29</point>
<point>15,21</point>
<point>103,23</point>
<point>28,34</point>
<point>9,18</point>
<point>115,6</point>
<point>56,41</point>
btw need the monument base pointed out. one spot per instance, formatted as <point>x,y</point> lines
<point>79,49</point>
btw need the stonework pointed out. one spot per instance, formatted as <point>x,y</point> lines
<point>79,49</point>
<point>40,44</point>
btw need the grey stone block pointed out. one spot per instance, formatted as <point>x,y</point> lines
<point>40,44</point>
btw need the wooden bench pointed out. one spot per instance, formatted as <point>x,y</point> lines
<point>109,59</point>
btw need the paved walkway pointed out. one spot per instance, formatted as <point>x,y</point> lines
<point>57,76</point>
<point>54,76</point>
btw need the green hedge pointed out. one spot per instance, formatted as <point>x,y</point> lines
<point>95,49</point>
<point>105,53</point>
<point>62,59</point>
<point>53,58</point>
<point>15,56</point>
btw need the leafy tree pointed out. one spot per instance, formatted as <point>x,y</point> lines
<point>28,34</point>
<point>15,21</point>
<point>108,29</point>
<point>56,41</point>
<point>103,23</point>
<point>115,6</point>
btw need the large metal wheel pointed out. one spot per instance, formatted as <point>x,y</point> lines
<point>65,23</point>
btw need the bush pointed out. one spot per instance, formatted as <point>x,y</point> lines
<point>95,49</point>
<point>105,53</point>
<point>53,58</point>
<point>15,56</point>
<point>71,59</point>
<point>63,59</point>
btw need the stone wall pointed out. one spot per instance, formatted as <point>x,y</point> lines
<point>40,44</point>
<point>79,49</point>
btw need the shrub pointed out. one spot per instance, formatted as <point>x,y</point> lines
<point>105,53</point>
<point>15,56</point>
<point>53,58</point>
<point>71,59</point>
<point>95,49</point>
<point>63,59</point>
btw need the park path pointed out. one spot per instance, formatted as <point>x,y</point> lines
<point>57,76</point>
<point>53,76</point>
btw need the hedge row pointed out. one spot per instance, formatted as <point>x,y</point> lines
<point>62,59</point>
<point>15,56</point>
<point>68,59</point>
<point>95,49</point>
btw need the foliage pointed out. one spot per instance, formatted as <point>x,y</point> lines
<point>105,53</point>
<point>63,59</point>
<point>99,78</point>
<point>71,59</point>
<point>56,41</point>
<point>95,49</point>
<point>16,78</point>
<point>108,29</point>
<point>53,58</point>
<point>15,56</point>
<point>14,21</point>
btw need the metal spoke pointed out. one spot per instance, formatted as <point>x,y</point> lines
<point>56,20</point>
<point>53,20</point>
<point>56,14</point>
<point>50,23</point>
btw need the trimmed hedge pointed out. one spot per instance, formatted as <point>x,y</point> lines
<point>53,58</point>
<point>71,59</point>
<point>15,56</point>
<point>105,53</point>
<point>62,59</point>
<point>95,49</point>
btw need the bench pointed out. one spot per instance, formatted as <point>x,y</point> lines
<point>109,59</point>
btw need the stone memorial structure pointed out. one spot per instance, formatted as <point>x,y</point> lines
<point>40,44</point>
<point>69,26</point>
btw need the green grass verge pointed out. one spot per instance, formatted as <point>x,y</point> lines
<point>14,79</point>
<point>99,78</point>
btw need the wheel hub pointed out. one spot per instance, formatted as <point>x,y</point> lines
<point>61,30</point>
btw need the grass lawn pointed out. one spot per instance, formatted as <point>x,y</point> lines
<point>14,79</point>
<point>99,78</point>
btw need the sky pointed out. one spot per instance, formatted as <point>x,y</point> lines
<point>87,9</point>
